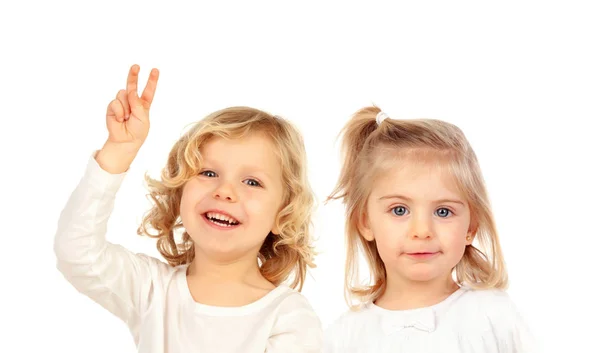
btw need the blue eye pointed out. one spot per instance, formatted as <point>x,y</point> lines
<point>208,173</point>
<point>399,210</point>
<point>443,212</point>
<point>252,182</point>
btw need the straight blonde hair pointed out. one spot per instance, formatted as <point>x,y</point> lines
<point>369,147</point>
<point>282,254</point>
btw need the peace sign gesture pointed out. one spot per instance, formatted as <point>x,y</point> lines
<point>127,116</point>
<point>127,120</point>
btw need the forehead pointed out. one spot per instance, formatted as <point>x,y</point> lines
<point>416,177</point>
<point>255,150</point>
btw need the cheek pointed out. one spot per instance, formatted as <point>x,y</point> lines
<point>191,195</point>
<point>454,237</point>
<point>186,207</point>
<point>388,235</point>
<point>260,206</point>
<point>254,207</point>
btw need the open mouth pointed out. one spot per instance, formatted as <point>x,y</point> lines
<point>221,219</point>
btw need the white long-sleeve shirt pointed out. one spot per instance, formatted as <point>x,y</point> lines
<point>153,298</point>
<point>468,321</point>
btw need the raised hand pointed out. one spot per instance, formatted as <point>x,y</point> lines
<point>128,123</point>
<point>127,116</point>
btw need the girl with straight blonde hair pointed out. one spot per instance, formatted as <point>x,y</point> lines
<point>231,214</point>
<point>418,210</point>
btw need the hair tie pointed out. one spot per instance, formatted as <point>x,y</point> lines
<point>381,116</point>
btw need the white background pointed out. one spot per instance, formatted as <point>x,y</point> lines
<point>521,78</point>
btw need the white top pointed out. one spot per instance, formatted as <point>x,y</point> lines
<point>153,298</point>
<point>468,321</point>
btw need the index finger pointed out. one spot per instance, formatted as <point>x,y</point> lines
<point>132,79</point>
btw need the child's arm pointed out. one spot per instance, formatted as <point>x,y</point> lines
<point>109,274</point>
<point>521,338</point>
<point>512,330</point>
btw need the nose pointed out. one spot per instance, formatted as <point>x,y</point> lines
<point>225,192</point>
<point>421,228</point>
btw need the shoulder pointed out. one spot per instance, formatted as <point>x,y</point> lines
<point>153,270</point>
<point>496,307</point>
<point>492,302</point>
<point>342,332</point>
<point>158,267</point>
<point>357,313</point>
<point>350,320</point>
<point>290,302</point>
<point>485,295</point>
<point>294,321</point>
<point>504,318</point>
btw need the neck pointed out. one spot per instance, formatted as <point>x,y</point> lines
<point>217,271</point>
<point>403,294</point>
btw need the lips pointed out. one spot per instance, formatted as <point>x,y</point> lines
<point>221,218</point>
<point>423,255</point>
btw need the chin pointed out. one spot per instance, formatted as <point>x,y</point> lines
<point>210,243</point>
<point>421,275</point>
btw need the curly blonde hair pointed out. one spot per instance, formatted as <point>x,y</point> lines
<point>369,148</point>
<point>281,254</point>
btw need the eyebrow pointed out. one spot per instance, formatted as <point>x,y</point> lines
<point>247,169</point>
<point>388,197</point>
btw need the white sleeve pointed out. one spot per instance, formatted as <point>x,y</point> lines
<point>297,331</point>
<point>512,330</point>
<point>112,276</point>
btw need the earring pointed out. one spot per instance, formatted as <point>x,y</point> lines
<point>468,237</point>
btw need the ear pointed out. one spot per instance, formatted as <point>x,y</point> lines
<point>275,230</point>
<point>365,228</point>
<point>471,235</point>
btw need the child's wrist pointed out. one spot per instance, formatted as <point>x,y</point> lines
<point>116,158</point>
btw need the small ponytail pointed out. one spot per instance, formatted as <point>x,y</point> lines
<point>356,143</point>
<point>354,136</point>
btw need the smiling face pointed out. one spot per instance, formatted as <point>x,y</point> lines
<point>419,221</point>
<point>231,206</point>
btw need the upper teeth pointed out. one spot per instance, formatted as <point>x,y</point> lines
<point>221,217</point>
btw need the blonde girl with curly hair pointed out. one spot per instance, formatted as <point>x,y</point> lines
<point>231,214</point>
<point>418,210</point>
